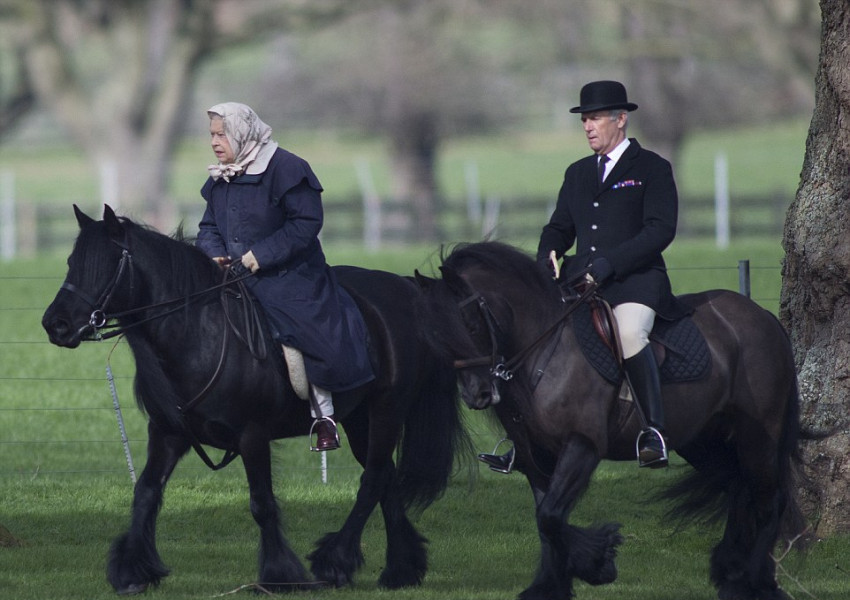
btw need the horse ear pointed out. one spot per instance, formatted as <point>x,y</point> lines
<point>82,218</point>
<point>114,227</point>
<point>453,278</point>
<point>108,213</point>
<point>423,281</point>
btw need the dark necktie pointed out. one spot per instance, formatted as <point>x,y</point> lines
<point>600,168</point>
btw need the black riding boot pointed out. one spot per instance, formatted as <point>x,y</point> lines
<point>501,463</point>
<point>642,372</point>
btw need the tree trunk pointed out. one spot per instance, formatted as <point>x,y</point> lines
<point>815,302</point>
<point>660,80</point>
<point>414,152</point>
<point>124,107</point>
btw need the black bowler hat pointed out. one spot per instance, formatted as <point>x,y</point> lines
<point>603,95</point>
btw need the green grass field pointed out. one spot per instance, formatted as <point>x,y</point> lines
<point>66,491</point>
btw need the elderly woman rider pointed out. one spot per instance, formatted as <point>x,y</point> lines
<point>264,209</point>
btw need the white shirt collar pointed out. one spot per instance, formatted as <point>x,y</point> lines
<point>615,155</point>
<point>617,152</point>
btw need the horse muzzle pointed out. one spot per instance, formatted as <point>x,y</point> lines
<point>61,332</point>
<point>477,394</point>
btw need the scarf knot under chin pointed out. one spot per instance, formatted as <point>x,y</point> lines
<point>225,172</point>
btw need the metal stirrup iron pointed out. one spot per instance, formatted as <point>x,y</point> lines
<point>663,459</point>
<point>316,422</point>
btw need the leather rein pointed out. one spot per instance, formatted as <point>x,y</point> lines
<point>100,318</point>
<point>501,368</point>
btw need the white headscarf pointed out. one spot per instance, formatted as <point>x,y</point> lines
<point>249,137</point>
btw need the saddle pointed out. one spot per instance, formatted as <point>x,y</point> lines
<point>679,346</point>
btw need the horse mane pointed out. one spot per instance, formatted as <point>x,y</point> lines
<point>500,265</point>
<point>171,267</point>
<point>505,258</point>
<point>445,330</point>
<point>186,267</point>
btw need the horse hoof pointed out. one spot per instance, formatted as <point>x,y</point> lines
<point>132,590</point>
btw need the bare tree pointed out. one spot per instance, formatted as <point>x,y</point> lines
<point>17,97</point>
<point>416,72</point>
<point>117,74</point>
<point>419,71</point>
<point>706,64</point>
<point>815,303</point>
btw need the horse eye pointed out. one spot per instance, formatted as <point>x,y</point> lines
<point>478,332</point>
<point>473,326</point>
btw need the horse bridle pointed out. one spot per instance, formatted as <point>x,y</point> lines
<point>501,368</point>
<point>494,359</point>
<point>99,319</point>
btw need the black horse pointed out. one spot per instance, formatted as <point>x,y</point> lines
<point>204,378</point>
<point>497,313</point>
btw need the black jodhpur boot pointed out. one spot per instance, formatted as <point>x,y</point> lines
<point>642,372</point>
<point>501,463</point>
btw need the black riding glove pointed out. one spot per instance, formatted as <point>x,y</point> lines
<point>601,270</point>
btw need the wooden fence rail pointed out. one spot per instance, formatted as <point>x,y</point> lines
<point>52,228</point>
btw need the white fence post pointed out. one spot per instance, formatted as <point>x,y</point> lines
<point>371,206</point>
<point>473,192</point>
<point>8,219</point>
<point>744,286</point>
<point>109,183</point>
<point>491,217</point>
<point>721,201</point>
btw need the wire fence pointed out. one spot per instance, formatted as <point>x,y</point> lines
<point>58,411</point>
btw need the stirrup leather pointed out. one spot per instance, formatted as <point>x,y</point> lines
<point>660,461</point>
<point>315,446</point>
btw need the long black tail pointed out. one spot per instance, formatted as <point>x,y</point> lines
<point>794,524</point>
<point>704,493</point>
<point>434,436</point>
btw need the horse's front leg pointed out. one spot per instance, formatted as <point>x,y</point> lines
<point>568,551</point>
<point>279,567</point>
<point>134,563</point>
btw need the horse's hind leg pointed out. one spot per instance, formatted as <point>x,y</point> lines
<point>742,564</point>
<point>134,563</point>
<point>337,555</point>
<point>279,567</point>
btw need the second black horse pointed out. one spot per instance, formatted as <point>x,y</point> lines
<point>498,313</point>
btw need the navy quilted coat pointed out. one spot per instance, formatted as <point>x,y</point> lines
<point>278,215</point>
